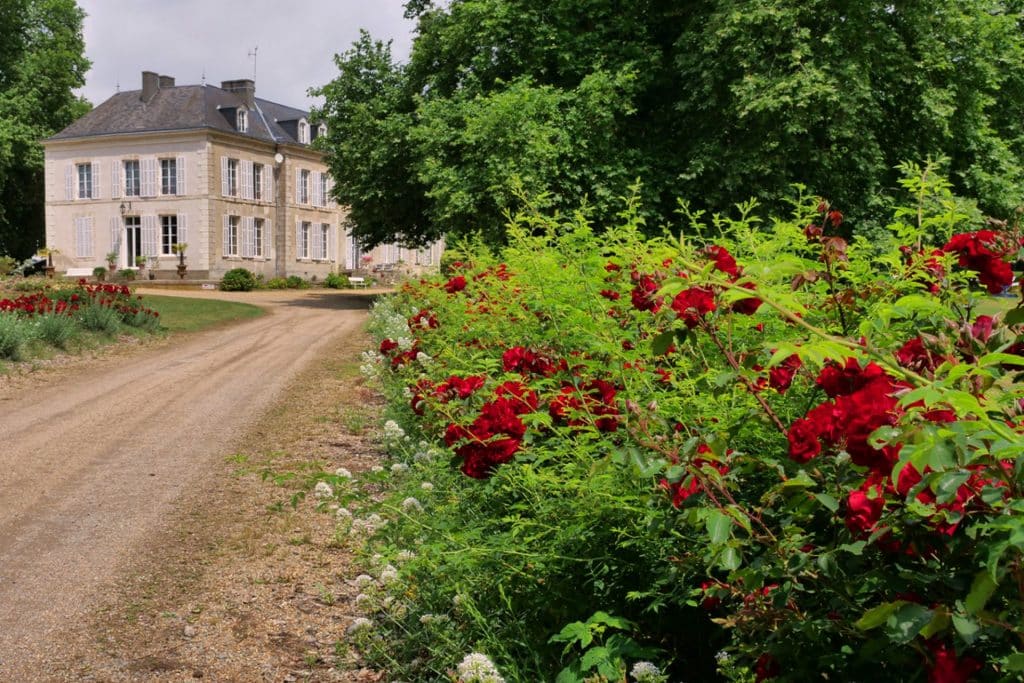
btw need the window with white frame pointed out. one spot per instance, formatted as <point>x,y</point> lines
<point>303,132</point>
<point>321,130</point>
<point>258,240</point>
<point>132,178</point>
<point>242,121</point>
<point>303,190</point>
<point>257,182</point>
<point>168,234</point>
<point>305,229</point>
<point>168,176</point>
<point>231,224</point>
<point>84,181</point>
<point>233,177</point>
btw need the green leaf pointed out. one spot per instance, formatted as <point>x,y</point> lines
<point>731,559</point>
<point>594,657</point>
<point>981,590</point>
<point>569,675</point>
<point>966,627</point>
<point>907,621</point>
<point>1014,662</point>
<point>878,615</point>
<point>1014,317</point>
<point>719,526</point>
<point>661,343</point>
<point>828,501</point>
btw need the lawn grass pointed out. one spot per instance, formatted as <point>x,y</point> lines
<point>181,314</point>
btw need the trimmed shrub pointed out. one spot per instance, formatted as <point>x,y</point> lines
<point>337,281</point>
<point>296,282</point>
<point>239,280</point>
<point>276,283</point>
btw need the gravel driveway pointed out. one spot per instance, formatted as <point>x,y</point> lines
<point>92,461</point>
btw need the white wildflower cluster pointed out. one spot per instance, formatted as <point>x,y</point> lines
<point>364,601</point>
<point>363,581</point>
<point>342,473</point>
<point>405,556</point>
<point>478,668</point>
<point>646,672</point>
<point>423,359</point>
<point>399,468</point>
<point>343,515</point>
<point>427,619</point>
<point>427,486</point>
<point>389,574</point>
<point>392,431</point>
<point>368,525</point>
<point>323,491</point>
<point>396,608</point>
<point>359,624</point>
<point>371,366</point>
<point>425,453</point>
<point>407,393</point>
<point>377,469</point>
<point>411,505</point>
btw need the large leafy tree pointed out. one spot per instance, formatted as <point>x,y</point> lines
<point>711,100</point>
<point>42,61</point>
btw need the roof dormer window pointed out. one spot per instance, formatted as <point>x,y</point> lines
<point>303,132</point>
<point>321,130</point>
<point>242,121</point>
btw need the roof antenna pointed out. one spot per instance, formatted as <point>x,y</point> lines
<point>253,55</point>
<point>204,77</point>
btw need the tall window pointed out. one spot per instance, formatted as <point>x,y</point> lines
<point>304,187</point>
<point>304,233</point>
<point>257,181</point>
<point>233,177</point>
<point>168,234</point>
<point>84,181</point>
<point>168,176</point>
<point>303,132</point>
<point>231,236</point>
<point>257,237</point>
<point>132,179</point>
<point>242,121</point>
<point>133,239</point>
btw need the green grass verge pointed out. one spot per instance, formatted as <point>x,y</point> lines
<point>180,314</point>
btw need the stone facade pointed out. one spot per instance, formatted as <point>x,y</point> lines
<point>234,177</point>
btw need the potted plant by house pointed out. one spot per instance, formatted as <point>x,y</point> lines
<point>48,254</point>
<point>179,249</point>
<point>152,267</point>
<point>112,261</point>
<point>140,263</point>
<point>100,273</point>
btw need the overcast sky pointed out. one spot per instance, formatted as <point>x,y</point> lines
<point>187,38</point>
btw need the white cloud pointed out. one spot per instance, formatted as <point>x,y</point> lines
<point>186,39</point>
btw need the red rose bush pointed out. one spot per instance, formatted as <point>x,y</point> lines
<point>768,453</point>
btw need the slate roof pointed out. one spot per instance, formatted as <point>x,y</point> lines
<point>185,107</point>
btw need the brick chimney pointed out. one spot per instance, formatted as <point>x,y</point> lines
<point>166,82</point>
<point>150,85</point>
<point>245,88</point>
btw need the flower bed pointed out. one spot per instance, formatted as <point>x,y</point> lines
<point>57,315</point>
<point>760,452</point>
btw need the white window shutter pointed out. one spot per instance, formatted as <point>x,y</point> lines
<point>247,180</point>
<point>149,238</point>
<point>179,169</point>
<point>94,191</point>
<point>298,239</point>
<point>147,169</point>
<point>298,183</point>
<point>115,180</point>
<point>267,179</point>
<point>115,234</point>
<point>69,181</point>
<point>87,223</point>
<point>268,232</point>
<point>317,199</point>
<point>244,248</point>
<point>317,239</point>
<point>227,235</point>
<point>224,186</point>
<point>183,228</point>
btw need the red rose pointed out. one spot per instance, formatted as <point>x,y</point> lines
<point>864,511</point>
<point>456,284</point>
<point>803,440</point>
<point>946,668</point>
<point>723,260</point>
<point>643,293</point>
<point>692,304</point>
<point>781,376</point>
<point>387,346</point>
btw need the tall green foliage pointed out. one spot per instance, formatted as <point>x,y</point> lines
<point>42,60</point>
<point>710,100</point>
